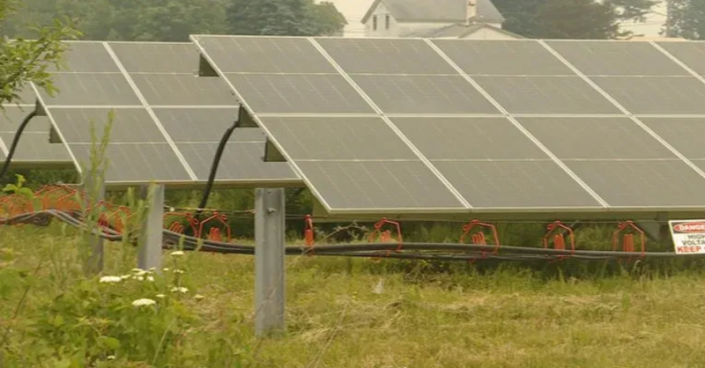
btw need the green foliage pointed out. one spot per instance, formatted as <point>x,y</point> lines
<point>117,320</point>
<point>688,19</point>
<point>24,61</point>
<point>175,20</point>
<point>283,17</point>
<point>19,188</point>
<point>572,19</point>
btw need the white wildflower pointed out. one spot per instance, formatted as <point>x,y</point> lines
<point>160,296</point>
<point>110,279</point>
<point>152,269</point>
<point>111,357</point>
<point>140,278</point>
<point>179,290</point>
<point>177,253</point>
<point>179,271</point>
<point>150,278</point>
<point>143,302</point>
<point>138,272</point>
<point>166,269</point>
<point>125,277</point>
<point>198,297</point>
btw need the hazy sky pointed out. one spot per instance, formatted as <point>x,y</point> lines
<point>354,10</point>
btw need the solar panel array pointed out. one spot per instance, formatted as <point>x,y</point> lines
<point>409,126</point>
<point>34,149</point>
<point>168,122</point>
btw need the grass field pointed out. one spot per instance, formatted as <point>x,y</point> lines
<point>346,313</point>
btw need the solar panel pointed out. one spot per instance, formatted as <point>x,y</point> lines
<point>468,138</point>
<point>546,95</point>
<point>691,54</point>
<point>385,56</point>
<point>13,116</point>
<point>184,90</point>
<point>616,58</point>
<point>265,54</point>
<point>157,57</point>
<point>301,93</point>
<point>205,125</point>
<point>638,184</point>
<point>349,138</point>
<point>503,58</point>
<point>91,89</point>
<point>656,95</point>
<point>377,186</point>
<point>26,97</point>
<point>86,57</point>
<point>397,94</point>
<point>130,125</point>
<point>565,146</point>
<point>137,163</point>
<point>516,184</point>
<point>596,138</point>
<point>195,112</point>
<point>683,134</point>
<point>241,162</point>
<point>34,150</point>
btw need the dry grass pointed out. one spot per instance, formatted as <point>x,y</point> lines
<point>503,318</point>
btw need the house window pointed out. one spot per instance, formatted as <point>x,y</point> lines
<point>374,23</point>
<point>386,21</point>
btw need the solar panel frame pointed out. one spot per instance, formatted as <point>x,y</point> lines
<point>34,150</point>
<point>192,121</point>
<point>241,164</point>
<point>493,184</point>
<point>537,95</point>
<point>682,133</point>
<point>689,53</point>
<point>595,58</point>
<point>652,178</point>
<point>205,54</point>
<point>185,90</point>
<point>656,95</point>
<point>502,58</point>
<point>338,138</point>
<point>385,56</point>
<point>428,94</point>
<point>136,102</point>
<point>601,138</point>
<point>265,54</point>
<point>156,57</point>
<point>299,93</point>
<point>612,109</point>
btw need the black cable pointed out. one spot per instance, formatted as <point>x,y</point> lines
<point>15,143</point>
<point>214,167</point>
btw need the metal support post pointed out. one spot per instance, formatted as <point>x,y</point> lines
<point>94,192</point>
<point>269,261</point>
<point>150,247</point>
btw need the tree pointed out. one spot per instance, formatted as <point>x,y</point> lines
<point>581,19</point>
<point>283,17</point>
<point>687,19</point>
<point>23,61</point>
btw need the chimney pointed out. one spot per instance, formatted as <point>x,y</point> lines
<point>471,11</point>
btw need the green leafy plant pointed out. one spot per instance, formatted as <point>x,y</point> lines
<point>19,188</point>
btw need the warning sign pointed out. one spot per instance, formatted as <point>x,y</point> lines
<point>688,236</point>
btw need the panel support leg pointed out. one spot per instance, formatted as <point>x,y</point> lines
<point>94,192</point>
<point>269,261</point>
<point>150,248</point>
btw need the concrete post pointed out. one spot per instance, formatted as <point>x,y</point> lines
<point>269,261</point>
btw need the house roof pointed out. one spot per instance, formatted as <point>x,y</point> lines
<point>460,31</point>
<point>447,11</point>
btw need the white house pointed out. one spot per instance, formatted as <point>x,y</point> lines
<point>471,19</point>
